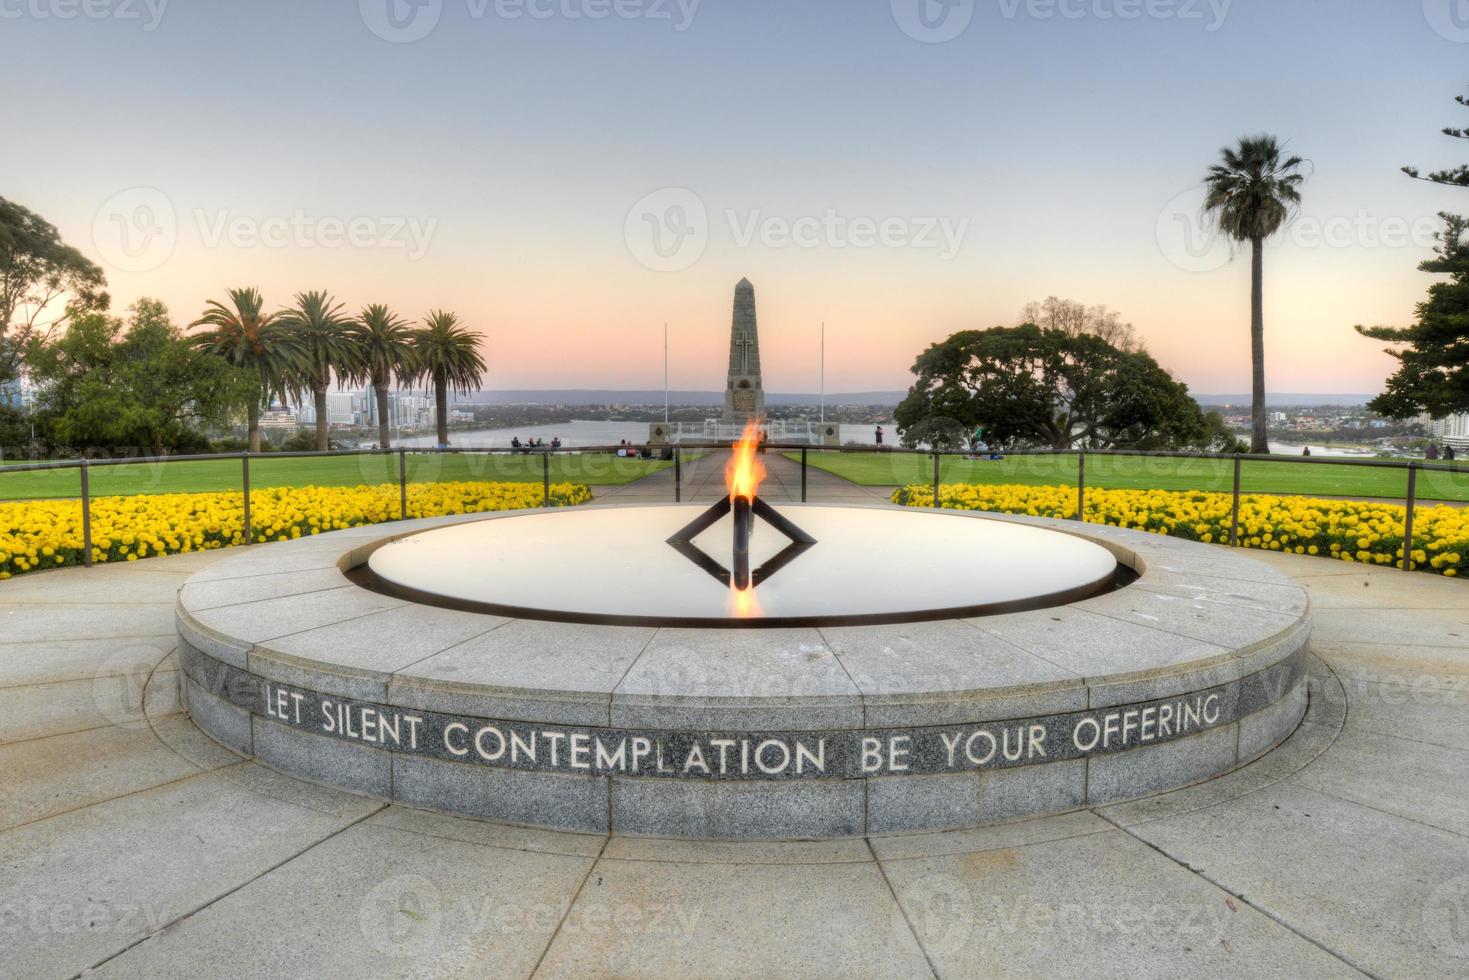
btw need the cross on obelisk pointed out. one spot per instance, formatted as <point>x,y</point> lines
<point>744,344</point>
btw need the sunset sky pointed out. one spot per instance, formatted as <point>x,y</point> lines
<point>514,169</point>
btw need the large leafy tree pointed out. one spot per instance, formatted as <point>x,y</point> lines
<point>38,270</point>
<point>447,356</point>
<point>385,342</point>
<point>1455,176</point>
<point>1032,387</point>
<point>244,336</point>
<point>134,386</point>
<point>1251,193</point>
<point>1433,366</point>
<point>321,331</point>
<point>1054,313</point>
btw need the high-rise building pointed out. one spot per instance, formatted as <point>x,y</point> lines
<point>1451,429</point>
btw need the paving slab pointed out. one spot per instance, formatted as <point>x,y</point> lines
<point>47,662</point>
<point>384,903</point>
<point>366,651</point>
<point>1412,779</point>
<point>562,672</point>
<point>1419,711</point>
<point>108,585</point>
<point>1366,884</point>
<point>47,776</point>
<point>1104,900</point>
<point>269,619</point>
<point>1447,628</point>
<point>1088,644</point>
<point>773,679</point>
<point>44,623</point>
<point>676,918</point>
<point>910,673</point>
<point>89,883</point>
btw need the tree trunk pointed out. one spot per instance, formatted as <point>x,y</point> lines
<point>321,419</point>
<point>384,427</point>
<point>441,408</point>
<point>1260,433</point>
<point>252,425</point>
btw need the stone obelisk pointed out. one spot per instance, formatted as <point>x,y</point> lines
<point>744,394</point>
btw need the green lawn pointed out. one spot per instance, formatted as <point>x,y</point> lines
<point>1144,473</point>
<point>329,471</point>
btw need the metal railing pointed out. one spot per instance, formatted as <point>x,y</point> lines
<point>676,455</point>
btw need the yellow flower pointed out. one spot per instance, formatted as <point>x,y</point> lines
<point>127,528</point>
<point>1349,530</point>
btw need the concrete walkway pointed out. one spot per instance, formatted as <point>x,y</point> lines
<point>132,845</point>
<point>703,483</point>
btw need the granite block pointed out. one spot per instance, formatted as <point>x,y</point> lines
<point>1262,731</point>
<point>326,760</point>
<point>676,808</point>
<point>1138,772</point>
<point>576,803</point>
<point>226,724</point>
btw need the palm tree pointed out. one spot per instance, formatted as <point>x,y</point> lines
<point>386,345</point>
<point>1251,194</point>
<point>447,354</point>
<point>255,342</point>
<point>320,330</point>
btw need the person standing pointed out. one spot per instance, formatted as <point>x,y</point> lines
<point>879,437</point>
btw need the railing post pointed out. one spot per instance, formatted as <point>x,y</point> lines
<point>803,474</point>
<point>936,503</point>
<point>546,479</point>
<point>1408,517</point>
<point>1081,486</point>
<point>677,475</point>
<point>402,483</point>
<point>86,517</point>
<point>1234,513</point>
<point>245,483</point>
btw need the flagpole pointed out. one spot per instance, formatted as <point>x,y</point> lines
<point>823,372</point>
<point>665,372</point>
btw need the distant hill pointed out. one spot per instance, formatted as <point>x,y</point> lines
<point>1286,399</point>
<point>595,396</point>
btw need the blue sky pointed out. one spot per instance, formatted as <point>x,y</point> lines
<point>1057,134</point>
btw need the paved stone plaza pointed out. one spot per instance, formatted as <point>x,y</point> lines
<point>135,845</point>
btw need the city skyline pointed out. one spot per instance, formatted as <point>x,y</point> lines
<point>896,205</point>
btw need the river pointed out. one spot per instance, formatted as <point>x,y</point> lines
<point>594,433</point>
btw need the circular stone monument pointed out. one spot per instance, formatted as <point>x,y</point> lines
<point>852,671</point>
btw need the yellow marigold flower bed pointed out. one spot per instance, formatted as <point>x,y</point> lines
<point>1371,533</point>
<point>48,533</point>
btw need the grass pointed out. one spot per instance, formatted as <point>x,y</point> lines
<point>329,471</point>
<point>1145,473</point>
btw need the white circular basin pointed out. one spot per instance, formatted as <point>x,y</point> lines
<point>868,565</point>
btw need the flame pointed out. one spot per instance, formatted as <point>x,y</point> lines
<point>745,468</point>
<point>743,474</point>
<point>743,604</point>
